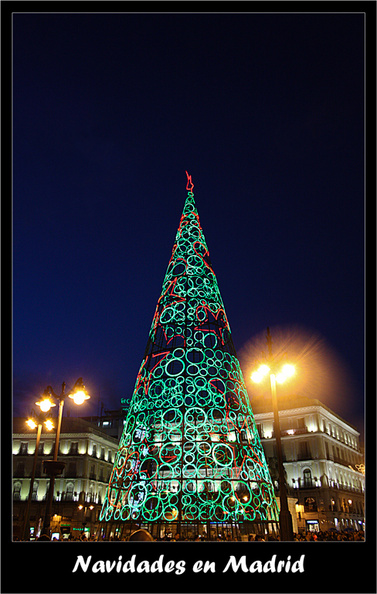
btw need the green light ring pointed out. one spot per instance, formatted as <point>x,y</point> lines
<point>179,267</point>
<point>177,401</point>
<point>175,420</point>
<point>170,514</point>
<point>191,513</point>
<point>193,369</point>
<point>189,400</point>
<point>203,398</point>
<point>219,513</point>
<point>166,471</point>
<point>174,367</point>
<point>153,508</point>
<point>167,315</point>
<point>195,356</point>
<point>222,454</point>
<point>125,513</point>
<point>108,514</point>
<point>189,470</point>
<point>202,372</point>
<point>187,500</point>
<point>156,389</point>
<point>204,448</point>
<point>170,450</point>
<point>146,466</point>
<point>195,416</point>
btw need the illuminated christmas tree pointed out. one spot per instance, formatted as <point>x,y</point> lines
<point>190,452</point>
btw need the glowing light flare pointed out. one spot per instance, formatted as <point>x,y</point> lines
<point>49,425</point>
<point>287,371</point>
<point>260,374</point>
<point>319,368</point>
<point>79,397</point>
<point>45,404</point>
<point>31,424</point>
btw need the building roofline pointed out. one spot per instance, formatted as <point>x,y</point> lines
<point>260,406</point>
<point>70,426</point>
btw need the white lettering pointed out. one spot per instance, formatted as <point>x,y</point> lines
<point>233,564</point>
<point>270,565</point>
<point>110,565</point>
<point>84,565</point>
<point>98,566</point>
<point>209,567</point>
<point>256,566</point>
<point>298,565</point>
<point>198,566</point>
<point>181,567</point>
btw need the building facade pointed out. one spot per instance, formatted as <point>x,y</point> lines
<point>88,453</point>
<point>323,461</point>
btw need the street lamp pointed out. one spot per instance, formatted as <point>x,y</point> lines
<point>52,467</point>
<point>277,376</point>
<point>35,422</point>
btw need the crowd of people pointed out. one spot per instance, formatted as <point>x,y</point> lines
<point>143,535</point>
<point>331,535</point>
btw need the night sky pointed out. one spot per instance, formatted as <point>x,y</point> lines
<point>265,111</point>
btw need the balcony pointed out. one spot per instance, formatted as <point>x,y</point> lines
<point>347,488</point>
<point>292,432</point>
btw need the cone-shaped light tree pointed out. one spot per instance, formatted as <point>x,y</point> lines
<point>190,452</point>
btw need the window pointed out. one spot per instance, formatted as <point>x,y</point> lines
<point>23,448</point>
<point>303,450</point>
<point>17,491</point>
<point>308,481</point>
<point>35,491</point>
<point>310,504</point>
<point>74,449</point>
<point>94,451</point>
<point>41,448</point>
<point>69,492</point>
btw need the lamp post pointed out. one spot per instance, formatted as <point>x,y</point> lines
<point>53,467</point>
<point>285,518</point>
<point>36,422</point>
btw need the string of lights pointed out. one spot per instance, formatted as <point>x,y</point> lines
<point>190,450</point>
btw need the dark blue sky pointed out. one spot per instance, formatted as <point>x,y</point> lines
<point>265,111</point>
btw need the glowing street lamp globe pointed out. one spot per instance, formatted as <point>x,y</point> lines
<point>259,375</point>
<point>45,404</point>
<point>31,424</point>
<point>79,397</point>
<point>287,371</point>
<point>49,425</point>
